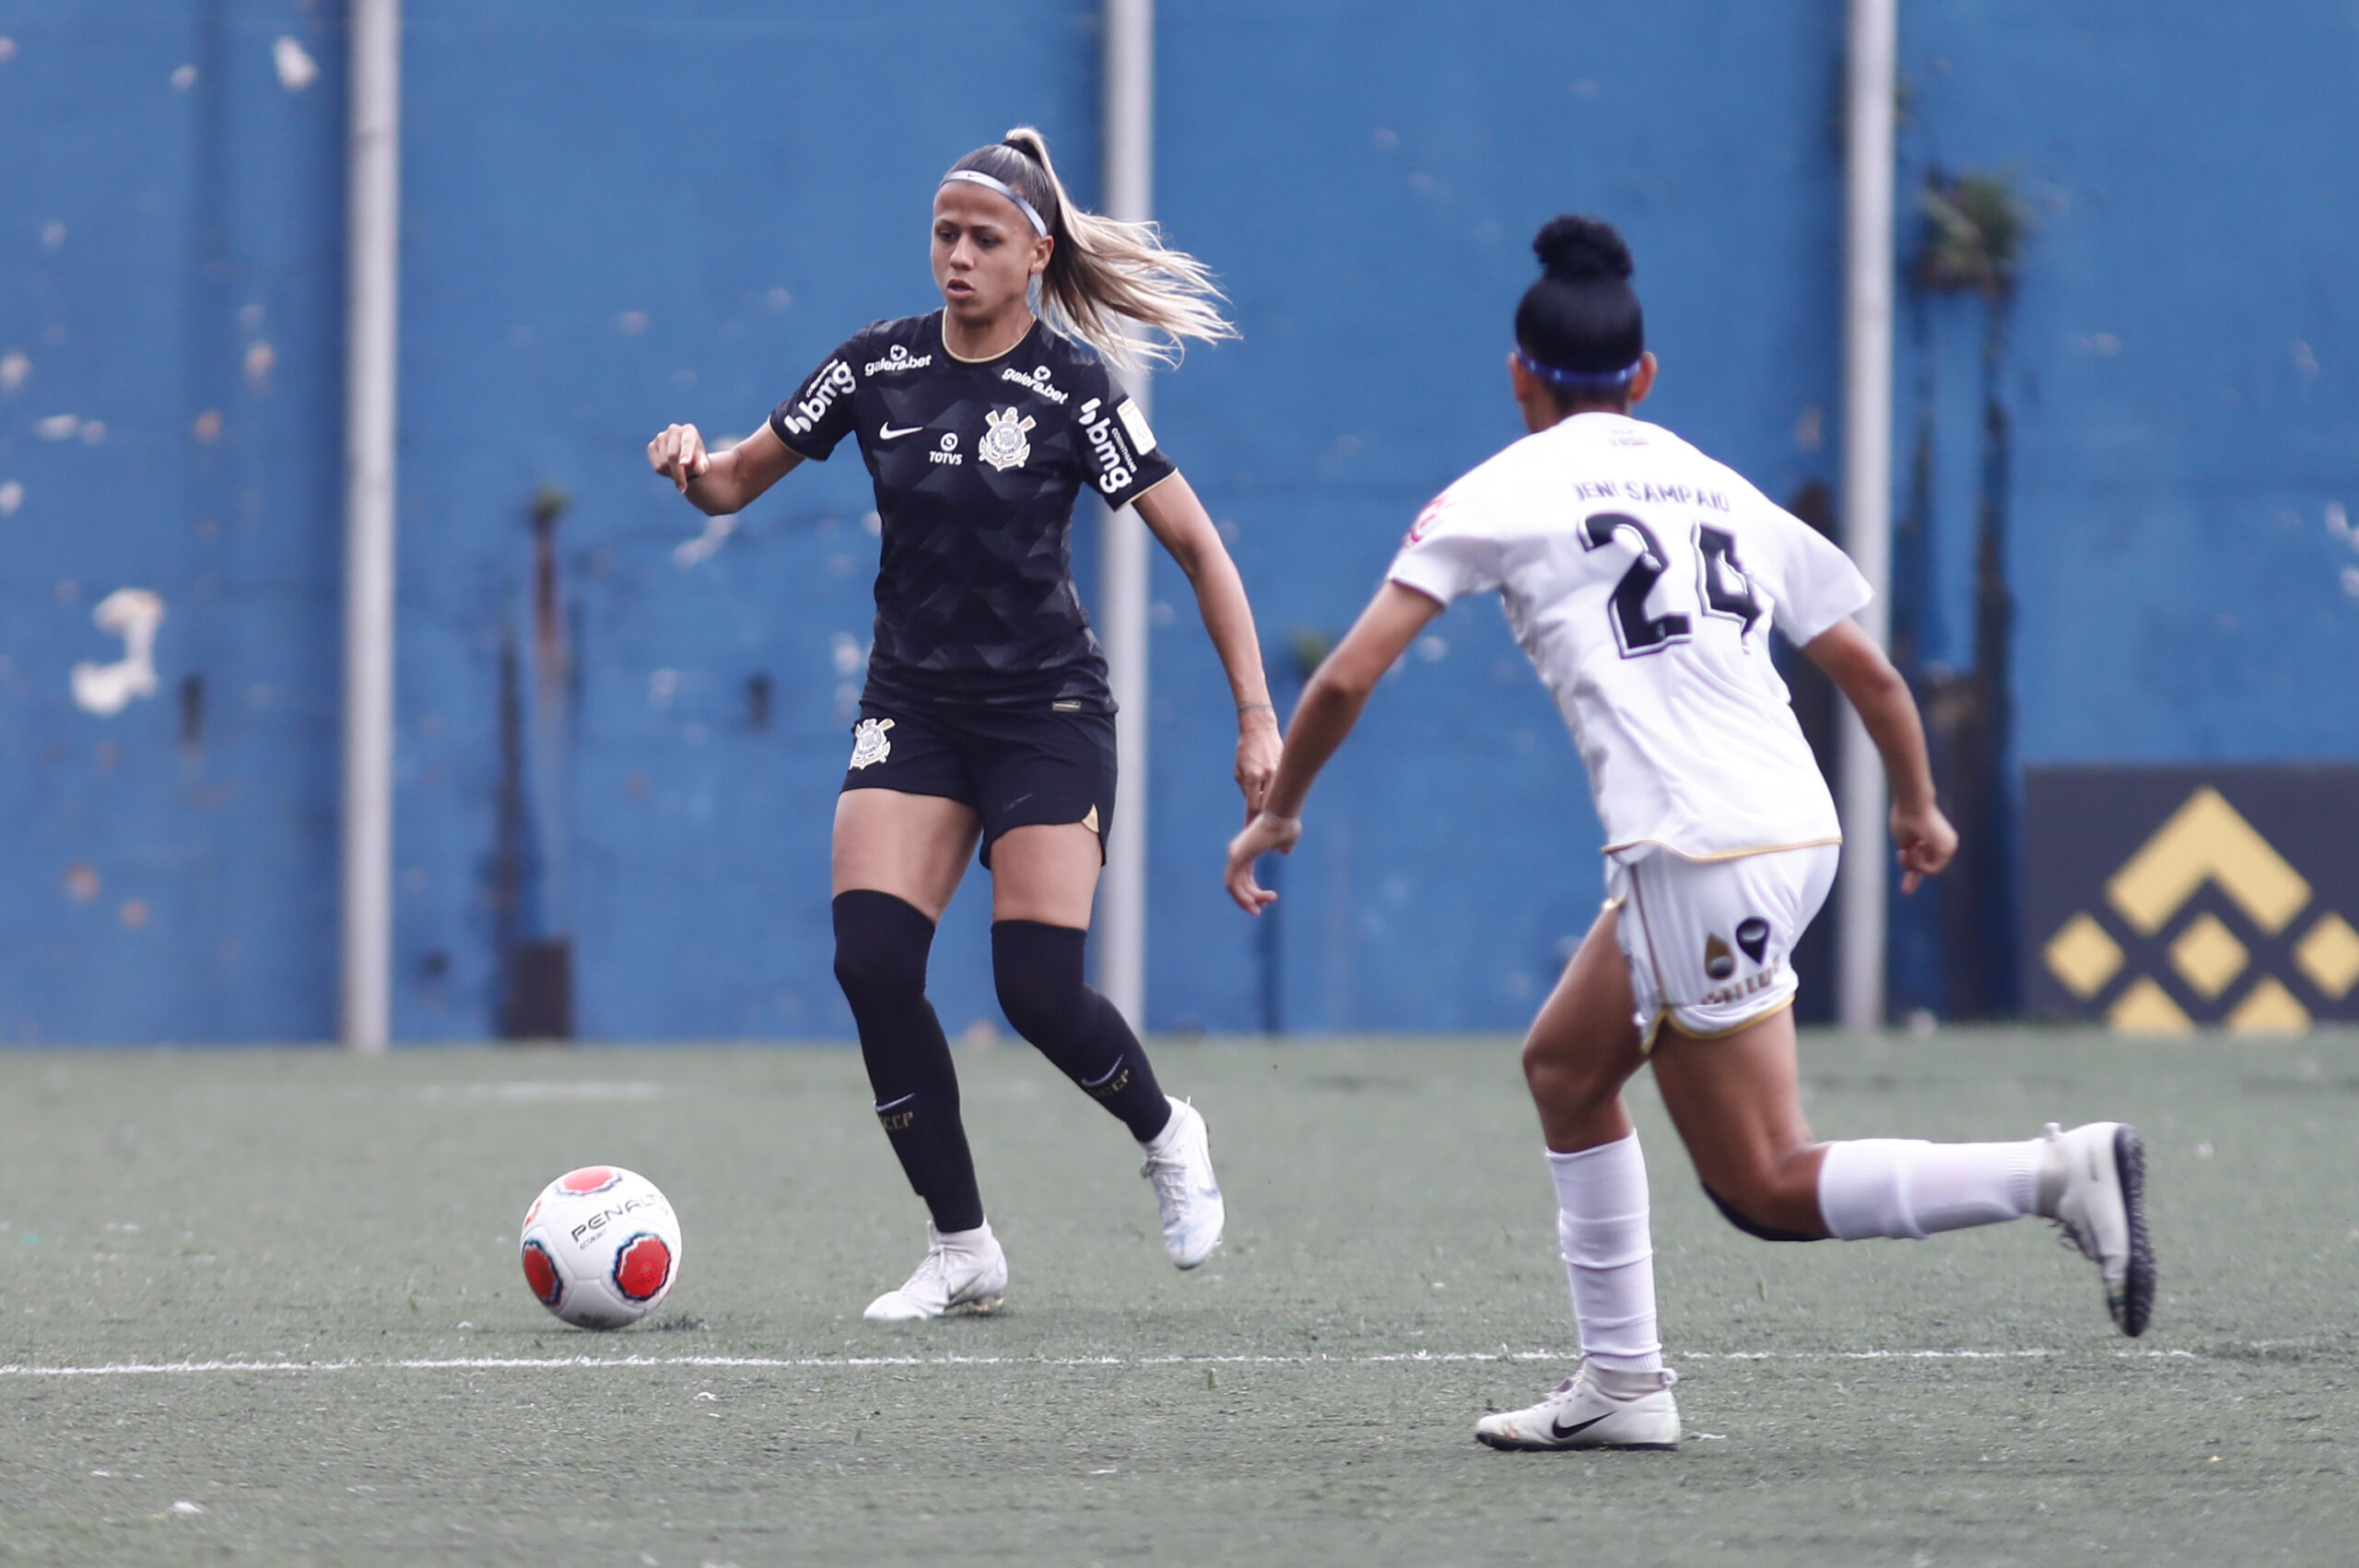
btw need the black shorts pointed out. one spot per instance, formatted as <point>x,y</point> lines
<point>1017,766</point>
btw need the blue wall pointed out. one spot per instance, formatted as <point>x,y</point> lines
<point>617,217</point>
<point>2182,366</point>
<point>170,294</point>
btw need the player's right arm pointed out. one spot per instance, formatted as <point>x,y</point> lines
<point>718,484</point>
<point>1330,705</point>
<point>1857,666</point>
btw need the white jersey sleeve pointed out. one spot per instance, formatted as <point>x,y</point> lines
<point>1452,549</point>
<point>1811,582</point>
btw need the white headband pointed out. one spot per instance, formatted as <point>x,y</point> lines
<point>977,177</point>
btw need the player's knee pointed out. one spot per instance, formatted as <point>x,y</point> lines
<point>1775,1197</point>
<point>1565,1076</point>
<point>1037,969</point>
<point>1742,1215</point>
<point>881,946</point>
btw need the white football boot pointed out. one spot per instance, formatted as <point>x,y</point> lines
<point>1180,1163</point>
<point>1592,1409</point>
<point>964,1271</point>
<point>2094,1185</point>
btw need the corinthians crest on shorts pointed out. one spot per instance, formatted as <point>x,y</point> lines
<point>1004,446</point>
<point>869,742</point>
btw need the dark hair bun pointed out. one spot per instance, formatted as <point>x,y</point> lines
<point>1577,249</point>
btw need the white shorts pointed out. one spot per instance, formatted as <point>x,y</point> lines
<point>1710,942</point>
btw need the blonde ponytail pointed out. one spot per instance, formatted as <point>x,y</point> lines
<point>1105,275</point>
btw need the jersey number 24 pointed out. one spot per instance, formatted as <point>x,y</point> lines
<point>1723,589</point>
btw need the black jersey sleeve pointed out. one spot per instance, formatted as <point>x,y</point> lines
<point>1118,450</point>
<point>818,416</point>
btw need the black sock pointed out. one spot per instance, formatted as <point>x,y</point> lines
<point>1038,968</point>
<point>881,947</point>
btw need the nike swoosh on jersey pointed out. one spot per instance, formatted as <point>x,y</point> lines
<point>886,433</point>
<point>1560,1431</point>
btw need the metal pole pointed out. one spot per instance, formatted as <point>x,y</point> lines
<point>373,242</point>
<point>1123,586</point>
<point>1867,269</point>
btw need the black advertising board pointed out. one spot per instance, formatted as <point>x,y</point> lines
<point>2164,898</point>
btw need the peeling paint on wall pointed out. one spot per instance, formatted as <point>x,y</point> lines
<point>717,530</point>
<point>296,69</point>
<point>132,614</point>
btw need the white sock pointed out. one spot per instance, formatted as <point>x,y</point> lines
<point>1609,1254</point>
<point>1906,1188</point>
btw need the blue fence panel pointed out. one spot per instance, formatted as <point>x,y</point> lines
<point>170,306</point>
<point>1368,185</point>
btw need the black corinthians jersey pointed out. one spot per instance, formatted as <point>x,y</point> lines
<point>976,464</point>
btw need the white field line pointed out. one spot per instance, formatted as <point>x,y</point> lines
<point>798,1363</point>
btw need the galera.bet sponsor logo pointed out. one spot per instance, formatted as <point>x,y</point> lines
<point>1037,382</point>
<point>898,357</point>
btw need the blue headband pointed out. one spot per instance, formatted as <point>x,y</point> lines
<point>977,177</point>
<point>1593,381</point>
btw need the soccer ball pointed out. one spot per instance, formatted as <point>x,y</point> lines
<point>601,1247</point>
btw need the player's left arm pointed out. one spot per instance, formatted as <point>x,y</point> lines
<point>1854,663</point>
<point>1330,705</point>
<point>1175,517</point>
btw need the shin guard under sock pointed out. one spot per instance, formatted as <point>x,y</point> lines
<point>1038,971</point>
<point>881,947</point>
<point>1904,1187</point>
<point>1603,1227</point>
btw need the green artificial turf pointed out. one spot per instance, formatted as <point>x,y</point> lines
<point>264,1306</point>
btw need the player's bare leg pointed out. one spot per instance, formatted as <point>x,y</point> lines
<point>1582,1049</point>
<point>1043,879</point>
<point>1584,1046</point>
<point>1737,1103</point>
<point>911,847</point>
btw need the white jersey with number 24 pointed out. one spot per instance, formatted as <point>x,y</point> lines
<point>1643,579</point>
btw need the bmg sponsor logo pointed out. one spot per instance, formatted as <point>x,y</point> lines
<point>1115,467</point>
<point>833,380</point>
<point>2162,899</point>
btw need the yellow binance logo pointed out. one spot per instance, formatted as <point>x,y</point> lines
<point>2206,841</point>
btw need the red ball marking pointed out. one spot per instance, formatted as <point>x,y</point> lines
<point>642,1266</point>
<point>589,1179</point>
<point>541,1275</point>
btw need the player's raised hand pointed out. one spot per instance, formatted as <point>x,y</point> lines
<point>679,454</point>
<point>1925,840</point>
<point>1262,835</point>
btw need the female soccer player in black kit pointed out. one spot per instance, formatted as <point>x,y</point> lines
<point>987,714</point>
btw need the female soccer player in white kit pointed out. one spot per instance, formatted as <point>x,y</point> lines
<point>1643,579</point>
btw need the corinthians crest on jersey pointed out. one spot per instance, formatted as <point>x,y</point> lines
<point>1003,445</point>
